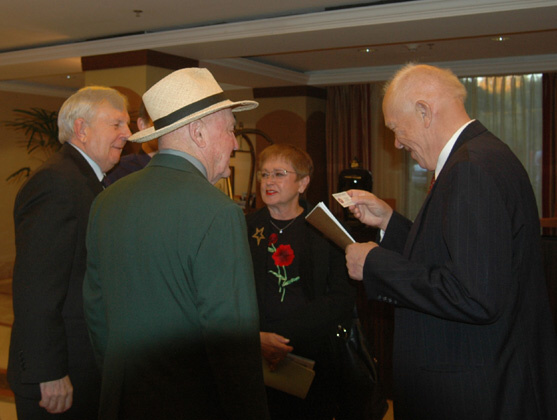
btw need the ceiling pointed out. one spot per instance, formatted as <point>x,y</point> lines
<point>267,43</point>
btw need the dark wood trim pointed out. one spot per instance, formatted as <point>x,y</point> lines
<point>136,58</point>
<point>290,91</point>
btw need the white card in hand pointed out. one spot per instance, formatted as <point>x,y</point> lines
<point>343,198</point>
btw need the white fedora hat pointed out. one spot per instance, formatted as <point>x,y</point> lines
<point>181,97</point>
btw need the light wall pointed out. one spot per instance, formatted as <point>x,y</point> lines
<point>13,156</point>
<point>137,78</point>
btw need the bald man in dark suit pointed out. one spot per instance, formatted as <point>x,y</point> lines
<point>473,332</point>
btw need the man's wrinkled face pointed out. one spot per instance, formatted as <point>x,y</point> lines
<point>221,143</point>
<point>106,136</point>
<point>408,127</point>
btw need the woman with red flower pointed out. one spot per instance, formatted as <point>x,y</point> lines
<point>302,285</point>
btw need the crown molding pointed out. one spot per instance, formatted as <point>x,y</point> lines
<point>345,18</point>
<point>261,69</point>
<point>484,67</point>
<point>487,67</point>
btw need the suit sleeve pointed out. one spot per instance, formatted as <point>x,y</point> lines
<point>396,233</point>
<point>228,315</point>
<point>46,235</point>
<point>460,263</point>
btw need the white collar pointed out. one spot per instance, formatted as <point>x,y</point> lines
<point>96,168</point>
<point>444,155</point>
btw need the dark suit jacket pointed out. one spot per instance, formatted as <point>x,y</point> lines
<point>49,337</point>
<point>127,165</point>
<point>473,332</point>
<point>170,299</point>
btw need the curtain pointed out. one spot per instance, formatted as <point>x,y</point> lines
<point>348,128</point>
<point>355,129</point>
<point>549,205</point>
<point>511,108</point>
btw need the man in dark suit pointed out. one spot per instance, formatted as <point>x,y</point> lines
<point>473,332</point>
<point>169,294</point>
<point>51,364</point>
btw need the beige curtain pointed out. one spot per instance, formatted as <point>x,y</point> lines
<point>511,108</point>
<point>355,128</point>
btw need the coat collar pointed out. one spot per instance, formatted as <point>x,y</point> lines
<point>175,162</point>
<point>472,130</point>
<point>71,153</point>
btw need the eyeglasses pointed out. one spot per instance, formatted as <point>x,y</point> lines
<point>278,174</point>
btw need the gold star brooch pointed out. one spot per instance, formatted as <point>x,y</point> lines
<point>258,235</point>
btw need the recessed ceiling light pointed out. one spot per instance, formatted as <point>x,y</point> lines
<point>366,50</point>
<point>500,38</point>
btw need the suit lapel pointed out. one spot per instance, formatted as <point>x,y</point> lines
<point>475,128</point>
<point>416,226</point>
<point>83,166</point>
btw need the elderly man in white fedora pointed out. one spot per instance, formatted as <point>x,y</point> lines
<point>169,293</point>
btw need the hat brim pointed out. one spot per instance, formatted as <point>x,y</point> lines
<point>151,133</point>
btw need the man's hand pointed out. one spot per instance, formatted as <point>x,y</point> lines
<point>356,257</point>
<point>274,348</point>
<point>369,209</point>
<point>57,396</point>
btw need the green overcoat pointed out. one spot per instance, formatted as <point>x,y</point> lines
<point>169,298</point>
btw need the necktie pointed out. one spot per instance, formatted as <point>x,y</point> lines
<point>431,184</point>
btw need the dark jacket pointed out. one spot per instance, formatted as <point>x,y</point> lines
<point>170,299</point>
<point>331,297</point>
<point>49,336</point>
<point>473,332</point>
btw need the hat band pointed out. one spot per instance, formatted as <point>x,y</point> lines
<point>188,110</point>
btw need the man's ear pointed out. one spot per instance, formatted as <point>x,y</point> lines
<point>423,110</point>
<point>80,130</point>
<point>197,134</point>
<point>143,124</point>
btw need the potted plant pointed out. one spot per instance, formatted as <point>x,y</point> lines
<point>41,129</point>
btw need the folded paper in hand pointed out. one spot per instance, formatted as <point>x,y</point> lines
<point>322,218</point>
<point>293,375</point>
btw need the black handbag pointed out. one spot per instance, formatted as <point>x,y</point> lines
<point>360,396</point>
